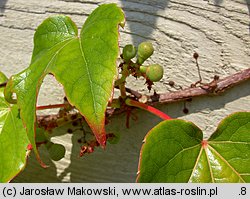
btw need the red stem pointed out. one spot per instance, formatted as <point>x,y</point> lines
<point>50,106</point>
<point>148,108</point>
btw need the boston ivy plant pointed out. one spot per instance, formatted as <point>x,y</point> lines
<point>86,65</point>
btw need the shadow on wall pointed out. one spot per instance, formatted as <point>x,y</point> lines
<point>2,5</point>
<point>218,2</point>
<point>134,12</point>
<point>144,17</point>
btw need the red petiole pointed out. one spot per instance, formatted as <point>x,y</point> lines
<point>50,106</point>
<point>148,108</point>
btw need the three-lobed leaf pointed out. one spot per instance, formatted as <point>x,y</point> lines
<point>174,151</point>
<point>13,139</point>
<point>84,64</point>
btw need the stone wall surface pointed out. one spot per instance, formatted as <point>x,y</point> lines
<point>219,30</point>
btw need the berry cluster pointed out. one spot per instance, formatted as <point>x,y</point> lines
<point>152,73</point>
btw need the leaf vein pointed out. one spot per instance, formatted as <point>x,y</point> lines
<point>226,162</point>
<point>89,79</point>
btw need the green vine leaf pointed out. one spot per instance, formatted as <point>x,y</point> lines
<point>85,65</point>
<point>13,139</point>
<point>174,151</point>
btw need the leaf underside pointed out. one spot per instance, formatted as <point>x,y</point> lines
<point>84,64</point>
<point>175,152</point>
<point>13,139</point>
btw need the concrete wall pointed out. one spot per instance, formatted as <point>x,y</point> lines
<point>217,29</point>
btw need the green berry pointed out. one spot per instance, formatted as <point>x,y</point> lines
<point>56,151</point>
<point>143,69</point>
<point>145,50</point>
<point>128,52</point>
<point>154,72</point>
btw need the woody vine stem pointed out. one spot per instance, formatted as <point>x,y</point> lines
<point>214,87</point>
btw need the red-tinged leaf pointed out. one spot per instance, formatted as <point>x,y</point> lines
<point>85,65</point>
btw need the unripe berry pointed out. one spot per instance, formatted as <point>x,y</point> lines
<point>56,151</point>
<point>128,52</point>
<point>145,50</point>
<point>154,72</point>
<point>143,69</point>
